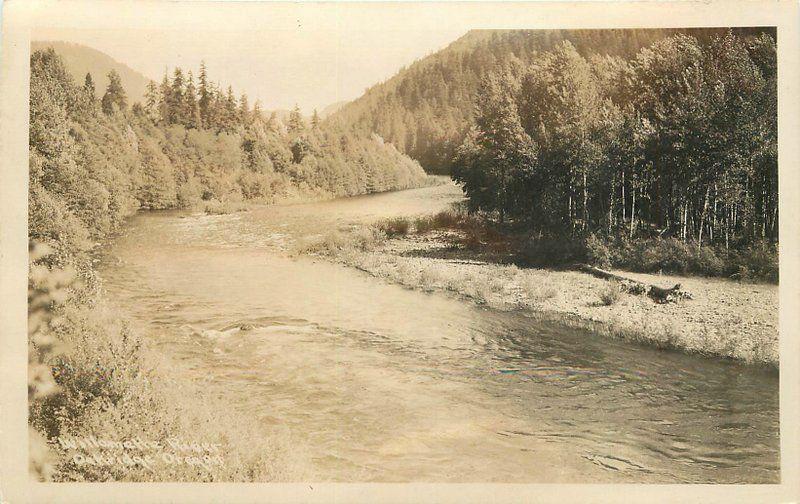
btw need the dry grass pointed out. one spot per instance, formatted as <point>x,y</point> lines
<point>395,227</point>
<point>610,294</point>
<point>724,319</point>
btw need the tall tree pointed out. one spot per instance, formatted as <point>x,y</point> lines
<point>88,85</point>
<point>114,97</point>
<point>151,101</point>
<point>191,109</point>
<point>244,110</point>
<point>205,96</point>
<point>296,124</point>
<point>176,102</point>
<point>315,120</point>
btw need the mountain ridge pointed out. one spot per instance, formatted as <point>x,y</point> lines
<point>426,108</point>
<point>80,59</point>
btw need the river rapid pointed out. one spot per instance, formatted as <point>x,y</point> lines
<point>379,383</point>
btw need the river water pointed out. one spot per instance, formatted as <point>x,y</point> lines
<point>376,382</point>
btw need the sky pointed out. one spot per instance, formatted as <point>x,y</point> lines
<point>280,54</point>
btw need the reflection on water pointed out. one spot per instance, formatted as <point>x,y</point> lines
<point>386,384</point>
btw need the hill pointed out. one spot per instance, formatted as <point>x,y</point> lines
<point>332,109</point>
<point>80,60</point>
<point>426,109</point>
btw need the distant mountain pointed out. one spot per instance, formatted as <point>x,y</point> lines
<point>80,60</point>
<point>332,109</point>
<point>426,108</point>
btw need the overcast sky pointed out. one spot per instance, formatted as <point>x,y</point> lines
<point>282,54</point>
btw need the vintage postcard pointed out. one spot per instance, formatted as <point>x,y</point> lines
<point>399,252</point>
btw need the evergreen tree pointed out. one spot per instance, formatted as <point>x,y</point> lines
<point>205,97</point>
<point>230,111</point>
<point>165,92</point>
<point>114,97</point>
<point>244,111</point>
<point>151,101</point>
<point>176,102</point>
<point>296,123</point>
<point>191,109</point>
<point>88,85</point>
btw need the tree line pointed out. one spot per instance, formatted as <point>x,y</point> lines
<point>95,160</point>
<point>678,140</point>
<point>427,109</point>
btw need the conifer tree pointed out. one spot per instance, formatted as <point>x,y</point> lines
<point>231,111</point>
<point>176,101</point>
<point>244,110</point>
<point>191,109</point>
<point>165,99</point>
<point>88,85</point>
<point>115,94</point>
<point>205,96</point>
<point>295,121</point>
<point>151,101</point>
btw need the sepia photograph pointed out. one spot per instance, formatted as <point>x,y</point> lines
<point>331,243</point>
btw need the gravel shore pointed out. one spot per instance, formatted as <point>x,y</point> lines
<point>724,318</point>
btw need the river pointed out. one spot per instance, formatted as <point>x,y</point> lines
<point>376,382</point>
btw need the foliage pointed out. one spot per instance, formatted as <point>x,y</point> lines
<point>610,294</point>
<point>677,142</point>
<point>95,162</point>
<point>395,227</point>
<point>427,109</point>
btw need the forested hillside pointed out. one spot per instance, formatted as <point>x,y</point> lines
<point>79,60</point>
<point>94,158</point>
<point>665,160</point>
<point>427,108</point>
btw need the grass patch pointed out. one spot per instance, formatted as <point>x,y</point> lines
<point>395,227</point>
<point>217,207</point>
<point>610,294</point>
<point>338,242</point>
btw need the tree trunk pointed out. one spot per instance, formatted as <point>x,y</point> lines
<point>633,211</point>
<point>656,293</point>
<point>703,217</point>
<point>623,196</point>
<point>585,202</point>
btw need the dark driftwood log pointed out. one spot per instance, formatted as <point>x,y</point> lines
<point>656,293</point>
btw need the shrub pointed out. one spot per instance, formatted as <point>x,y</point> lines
<point>446,219</point>
<point>553,250</point>
<point>395,227</point>
<point>610,294</point>
<point>598,252</point>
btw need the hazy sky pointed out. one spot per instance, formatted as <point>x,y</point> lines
<point>312,55</point>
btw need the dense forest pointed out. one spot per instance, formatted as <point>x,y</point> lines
<point>679,141</point>
<point>427,109</point>
<point>95,159</point>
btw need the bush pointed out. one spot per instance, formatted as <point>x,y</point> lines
<point>610,294</point>
<point>758,262</point>
<point>446,219</point>
<point>668,255</point>
<point>395,227</point>
<point>553,251</point>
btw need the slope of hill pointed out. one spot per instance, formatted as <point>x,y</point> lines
<point>80,60</point>
<point>426,108</point>
<point>332,109</point>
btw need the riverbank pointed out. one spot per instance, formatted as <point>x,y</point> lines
<point>724,319</point>
<point>106,405</point>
